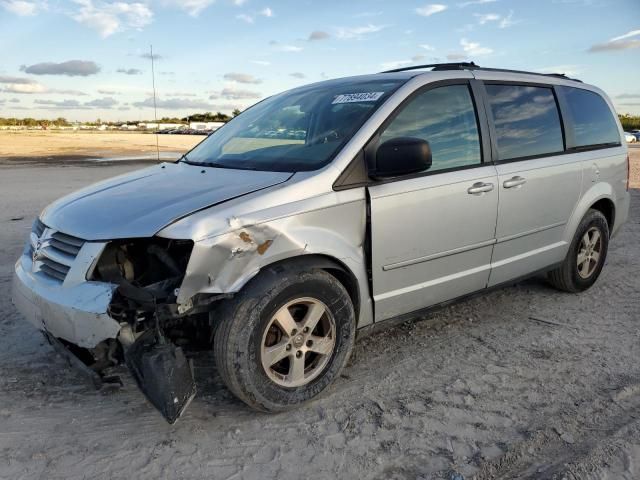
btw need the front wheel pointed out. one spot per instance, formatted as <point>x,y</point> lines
<point>284,338</point>
<point>587,253</point>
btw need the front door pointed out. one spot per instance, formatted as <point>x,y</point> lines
<point>432,234</point>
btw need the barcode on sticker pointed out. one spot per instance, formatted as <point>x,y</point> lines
<point>357,97</point>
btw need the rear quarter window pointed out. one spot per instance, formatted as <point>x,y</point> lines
<point>526,120</point>
<point>593,121</point>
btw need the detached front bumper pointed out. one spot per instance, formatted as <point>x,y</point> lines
<point>75,312</point>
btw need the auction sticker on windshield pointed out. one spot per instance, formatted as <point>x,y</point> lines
<point>358,97</point>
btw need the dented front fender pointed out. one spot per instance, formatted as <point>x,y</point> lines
<point>225,263</point>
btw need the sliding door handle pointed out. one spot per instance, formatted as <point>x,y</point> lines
<point>514,182</point>
<point>480,187</point>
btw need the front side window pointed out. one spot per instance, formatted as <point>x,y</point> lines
<point>299,130</point>
<point>526,120</point>
<point>445,117</point>
<point>593,122</point>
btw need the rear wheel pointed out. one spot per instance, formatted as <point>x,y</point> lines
<point>283,339</point>
<point>587,253</point>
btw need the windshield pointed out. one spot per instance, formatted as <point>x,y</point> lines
<point>299,130</point>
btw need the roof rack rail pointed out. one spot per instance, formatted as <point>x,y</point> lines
<point>472,66</point>
<point>436,66</point>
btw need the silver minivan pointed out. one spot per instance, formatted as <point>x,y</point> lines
<point>320,212</point>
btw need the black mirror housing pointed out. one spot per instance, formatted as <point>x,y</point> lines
<point>402,156</point>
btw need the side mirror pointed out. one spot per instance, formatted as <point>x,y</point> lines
<point>402,156</point>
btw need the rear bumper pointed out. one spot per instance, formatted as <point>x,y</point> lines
<point>76,313</point>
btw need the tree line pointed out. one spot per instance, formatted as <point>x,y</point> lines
<point>63,122</point>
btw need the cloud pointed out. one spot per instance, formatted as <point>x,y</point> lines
<point>358,32</point>
<point>16,80</point>
<point>266,12</point>
<point>471,49</point>
<point>426,47</point>
<point>417,58</point>
<point>318,35</point>
<point>107,92</point>
<point>368,14</point>
<point>508,21</point>
<point>66,92</point>
<point>474,49</point>
<point>130,71</point>
<point>180,94</point>
<point>570,70</point>
<point>632,33</point>
<point>284,47</point>
<point>245,18</point>
<point>108,18</point>
<point>628,95</point>
<point>242,78</point>
<point>298,75</point>
<point>25,85</point>
<point>14,100</point>
<point>264,63</point>
<point>21,7</point>
<point>621,42</point>
<point>72,68</point>
<point>192,7</point>
<point>235,94</point>
<point>475,2</point>
<point>239,3</point>
<point>486,17</point>
<point>175,104</point>
<point>20,85</point>
<point>395,64</point>
<point>106,102</point>
<point>70,104</point>
<point>429,10</point>
<point>147,56</point>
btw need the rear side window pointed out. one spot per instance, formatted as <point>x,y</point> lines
<point>526,120</point>
<point>592,118</point>
<point>446,118</point>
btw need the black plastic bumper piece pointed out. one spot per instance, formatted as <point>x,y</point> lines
<point>163,373</point>
<point>74,362</point>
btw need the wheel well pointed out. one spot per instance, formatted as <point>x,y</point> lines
<point>606,207</point>
<point>332,266</point>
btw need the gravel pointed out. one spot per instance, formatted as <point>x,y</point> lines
<point>482,389</point>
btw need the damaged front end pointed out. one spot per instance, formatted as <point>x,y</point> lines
<point>148,274</point>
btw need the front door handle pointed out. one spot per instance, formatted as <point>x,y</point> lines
<point>480,187</point>
<point>514,182</point>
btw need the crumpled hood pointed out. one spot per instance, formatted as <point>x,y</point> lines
<point>141,203</point>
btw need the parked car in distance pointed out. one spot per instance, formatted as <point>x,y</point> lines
<point>630,137</point>
<point>325,210</point>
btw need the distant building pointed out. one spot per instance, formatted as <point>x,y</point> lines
<point>161,126</point>
<point>207,126</point>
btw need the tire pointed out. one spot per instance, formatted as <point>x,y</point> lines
<point>576,276</point>
<point>249,331</point>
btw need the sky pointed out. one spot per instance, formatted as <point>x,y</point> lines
<point>89,59</point>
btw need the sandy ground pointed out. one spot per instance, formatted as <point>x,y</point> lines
<point>52,145</point>
<point>525,382</point>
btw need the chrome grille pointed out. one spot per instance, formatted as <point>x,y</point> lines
<point>53,252</point>
<point>38,227</point>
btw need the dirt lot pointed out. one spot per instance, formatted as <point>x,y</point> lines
<point>54,145</point>
<point>525,382</point>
